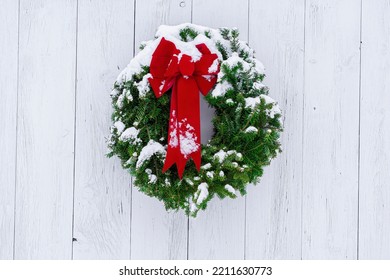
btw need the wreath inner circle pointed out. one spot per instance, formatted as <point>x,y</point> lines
<point>246,121</point>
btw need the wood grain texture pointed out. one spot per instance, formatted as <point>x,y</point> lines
<point>102,188</point>
<point>44,190</point>
<point>273,210</point>
<point>331,127</point>
<point>374,219</point>
<point>219,232</point>
<point>8,110</point>
<point>155,233</point>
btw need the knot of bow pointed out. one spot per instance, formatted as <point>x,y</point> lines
<point>172,69</point>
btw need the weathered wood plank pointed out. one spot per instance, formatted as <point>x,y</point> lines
<point>44,190</point>
<point>273,211</point>
<point>331,130</point>
<point>8,110</point>
<point>102,206</point>
<point>374,219</point>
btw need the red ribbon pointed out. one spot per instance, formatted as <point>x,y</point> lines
<point>172,69</point>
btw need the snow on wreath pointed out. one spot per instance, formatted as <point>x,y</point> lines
<point>156,125</point>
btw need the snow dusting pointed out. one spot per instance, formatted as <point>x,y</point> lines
<point>143,86</point>
<point>214,66</point>
<point>275,110</point>
<point>220,89</point>
<point>220,156</point>
<point>230,189</point>
<point>259,67</point>
<point>208,77</point>
<point>120,100</point>
<point>152,178</point>
<point>193,206</point>
<point>235,60</point>
<point>152,148</point>
<point>129,134</point>
<point>114,92</point>
<point>211,43</point>
<point>189,182</point>
<point>174,31</point>
<point>203,193</point>
<point>142,59</point>
<point>128,95</point>
<point>252,102</point>
<point>206,166</point>
<point>188,139</point>
<point>245,47</point>
<point>120,126</point>
<point>251,129</point>
<point>173,140</point>
<point>229,101</point>
<point>258,85</point>
<point>267,99</point>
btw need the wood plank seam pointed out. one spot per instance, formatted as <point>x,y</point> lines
<point>359,129</point>
<point>75,124</point>
<point>16,127</point>
<point>303,117</point>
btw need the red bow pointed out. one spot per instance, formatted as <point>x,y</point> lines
<point>172,69</point>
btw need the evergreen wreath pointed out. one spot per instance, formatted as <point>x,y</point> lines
<point>246,123</point>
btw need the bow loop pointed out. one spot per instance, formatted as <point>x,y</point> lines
<point>171,69</point>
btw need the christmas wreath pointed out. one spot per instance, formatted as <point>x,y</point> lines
<point>156,126</point>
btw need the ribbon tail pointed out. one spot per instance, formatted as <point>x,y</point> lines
<point>184,126</point>
<point>174,155</point>
<point>173,150</point>
<point>188,101</point>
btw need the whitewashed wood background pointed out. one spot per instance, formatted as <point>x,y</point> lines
<point>327,196</point>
